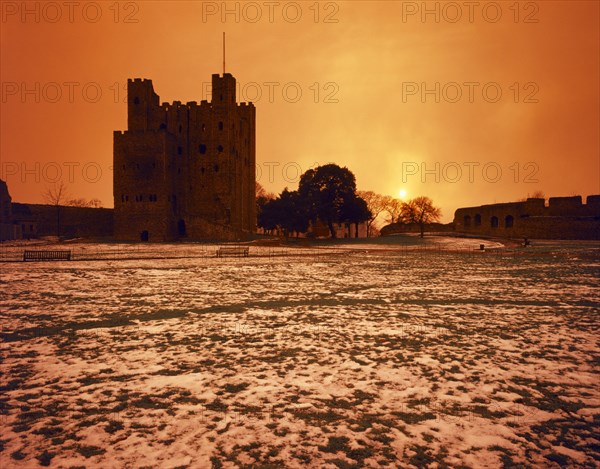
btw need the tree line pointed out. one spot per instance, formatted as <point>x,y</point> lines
<point>328,194</point>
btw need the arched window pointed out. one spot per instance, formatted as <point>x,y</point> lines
<point>202,148</point>
<point>220,148</point>
<point>477,220</point>
<point>220,125</point>
<point>136,100</point>
<point>467,221</point>
<point>509,221</point>
<point>494,222</point>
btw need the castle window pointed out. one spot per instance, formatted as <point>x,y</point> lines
<point>467,220</point>
<point>220,148</point>
<point>162,126</point>
<point>180,128</point>
<point>179,150</point>
<point>126,198</point>
<point>221,97</point>
<point>202,148</point>
<point>216,168</point>
<point>509,221</point>
<point>136,100</point>
<point>494,222</point>
<point>477,220</point>
<point>220,125</point>
<point>203,127</point>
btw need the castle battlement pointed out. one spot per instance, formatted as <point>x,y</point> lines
<point>563,217</point>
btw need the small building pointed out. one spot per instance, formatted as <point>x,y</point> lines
<point>16,220</point>
<point>342,230</point>
<point>25,224</point>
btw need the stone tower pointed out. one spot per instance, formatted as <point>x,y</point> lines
<point>185,171</point>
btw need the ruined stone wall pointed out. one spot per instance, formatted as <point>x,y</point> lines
<point>6,221</point>
<point>563,218</point>
<point>75,222</point>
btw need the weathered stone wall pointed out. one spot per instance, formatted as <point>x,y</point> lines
<point>563,218</point>
<point>75,222</point>
<point>178,163</point>
<point>415,228</point>
<point>6,222</point>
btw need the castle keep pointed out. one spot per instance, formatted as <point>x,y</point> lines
<point>185,171</point>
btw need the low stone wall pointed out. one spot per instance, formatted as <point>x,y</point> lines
<point>75,222</point>
<point>562,218</point>
<point>394,228</point>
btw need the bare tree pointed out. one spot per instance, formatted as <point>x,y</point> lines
<point>420,211</point>
<point>376,204</point>
<point>394,208</point>
<point>56,195</point>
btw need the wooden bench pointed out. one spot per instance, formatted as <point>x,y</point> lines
<point>46,256</point>
<point>233,251</point>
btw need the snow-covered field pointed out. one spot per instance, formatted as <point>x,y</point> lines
<point>349,356</point>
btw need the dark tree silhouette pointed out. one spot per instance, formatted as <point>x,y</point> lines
<point>325,190</point>
<point>355,210</point>
<point>287,212</point>
<point>57,195</point>
<point>420,211</point>
<point>262,198</point>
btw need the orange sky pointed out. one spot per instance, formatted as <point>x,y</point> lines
<point>373,62</point>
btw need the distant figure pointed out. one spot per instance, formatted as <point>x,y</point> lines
<point>526,242</point>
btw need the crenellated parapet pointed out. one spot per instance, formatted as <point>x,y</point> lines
<point>560,218</point>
